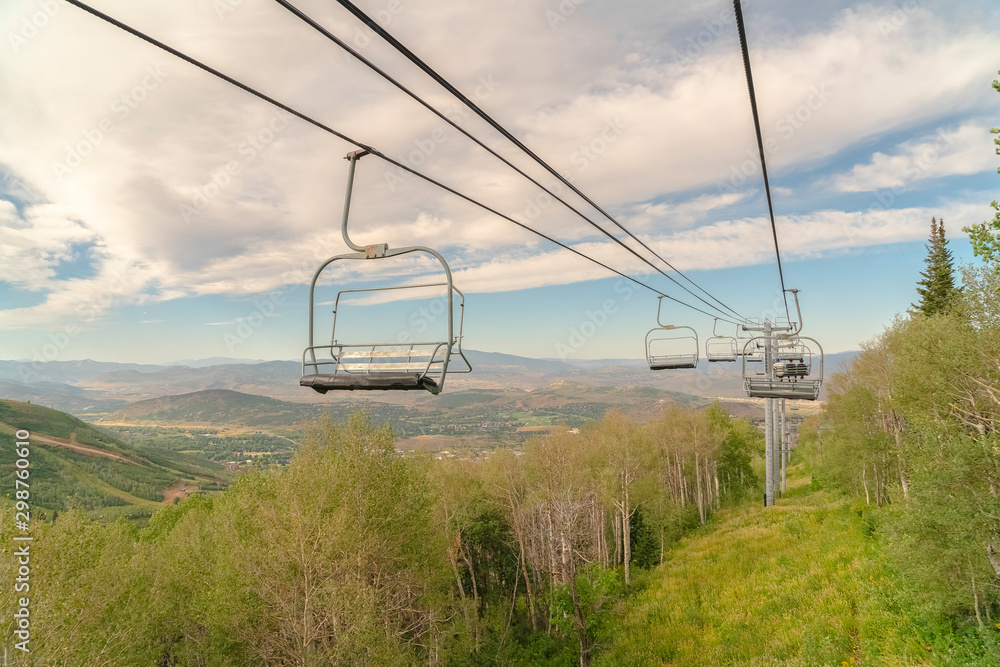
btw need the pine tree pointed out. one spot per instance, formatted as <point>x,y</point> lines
<point>937,288</point>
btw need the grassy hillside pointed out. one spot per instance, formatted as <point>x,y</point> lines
<point>805,583</point>
<point>75,464</point>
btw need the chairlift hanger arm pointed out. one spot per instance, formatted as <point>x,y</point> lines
<point>798,310</point>
<point>715,327</point>
<point>786,331</point>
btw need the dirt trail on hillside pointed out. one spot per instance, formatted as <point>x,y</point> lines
<point>176,492</point>
<point>77,447</point>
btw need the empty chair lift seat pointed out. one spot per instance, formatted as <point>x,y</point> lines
<point>673,361</point>
<point>671,347</point>
<point>377,370</point>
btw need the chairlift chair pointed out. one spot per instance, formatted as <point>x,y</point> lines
<point>719,347</point>
<point>756,353</point>
<point>796,368</point>
<point>381,365</point>
<point>670,346</point>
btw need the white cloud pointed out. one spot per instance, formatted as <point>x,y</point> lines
<point>965,150</point>
<point>268,195</point>
<point>33,246</point>
<point>683,214</point>
<point>729,243</point>
<point>76,304</point>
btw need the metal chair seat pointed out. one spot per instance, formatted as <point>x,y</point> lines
<point>324,382</point>
<point>659,364</point>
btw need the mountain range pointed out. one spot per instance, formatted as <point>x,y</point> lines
<point>98,388</point>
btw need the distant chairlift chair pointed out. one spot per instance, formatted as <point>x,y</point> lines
<point>754,354</point>
<point>381,365</point>
<point>796,365</point>
<point>671,347</point>
<point>719,347</point>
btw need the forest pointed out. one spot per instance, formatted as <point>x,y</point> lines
<point>355,555</point>
<point>911,428</point>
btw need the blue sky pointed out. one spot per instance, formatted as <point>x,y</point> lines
<point>150,213</point>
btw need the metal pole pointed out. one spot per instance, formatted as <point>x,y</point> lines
<point>768,423</point>
<point>776,439</point>
<point>784,447</point>
<point>768,455</point>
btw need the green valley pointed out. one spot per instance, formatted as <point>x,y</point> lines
<point>74,464</point>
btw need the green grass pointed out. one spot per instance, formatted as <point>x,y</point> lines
<point>802,583</point>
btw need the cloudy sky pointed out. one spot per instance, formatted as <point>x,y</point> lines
<point>150,212</point>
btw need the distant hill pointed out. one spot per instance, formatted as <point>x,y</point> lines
<point>490,371</point>
<point>279,379</point>
<point>215,406</point>
<point>215,361</point>
<point>75,464</point>
<point>63,372</point>
<point>560,400</point>
<point>65,397</point>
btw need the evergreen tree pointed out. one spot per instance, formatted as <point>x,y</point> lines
<point>937,284</point>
